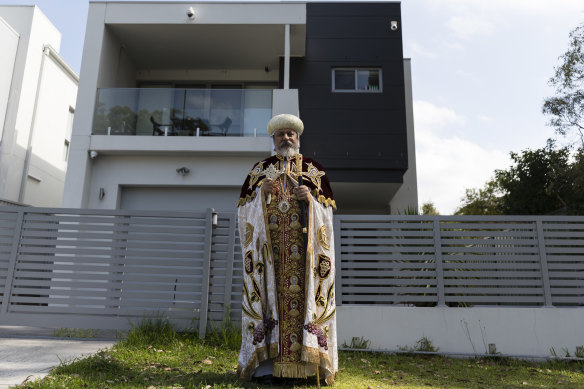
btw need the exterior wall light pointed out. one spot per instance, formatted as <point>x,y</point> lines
<point>191,13</point>
<point>393,25</point>
<point>183,171</point>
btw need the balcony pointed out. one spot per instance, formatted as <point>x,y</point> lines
<point>182,112</point>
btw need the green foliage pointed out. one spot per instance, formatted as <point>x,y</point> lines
<point>357,343</point>
<point>578,353</point>
<point>411,211</point>
<point>537,184</point>
<point>423,344</point>
<point>428,208</point>
<point>188,362</point>
<point>155,332</point>
<point>227,334</point>
<point>540,182</point>
<point>566,108</point>
<point>486,201</point>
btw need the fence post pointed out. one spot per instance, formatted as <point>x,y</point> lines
<point>206,273</point>
<point>439,265</point>
<point>338,279</point>
<point>229,263</point>
<point>545,277</point>
<point>12,262</point>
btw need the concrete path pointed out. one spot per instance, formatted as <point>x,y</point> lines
<point>27,352</point>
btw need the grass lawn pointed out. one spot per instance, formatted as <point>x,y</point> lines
<point>155,356</point>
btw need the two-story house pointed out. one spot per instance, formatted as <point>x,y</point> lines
<point>38,90</point>
<point>174,100</point>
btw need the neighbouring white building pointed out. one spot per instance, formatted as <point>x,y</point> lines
<point>175,96</point>
<point>38,91</point>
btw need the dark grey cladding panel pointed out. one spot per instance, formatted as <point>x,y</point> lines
<point>365,175</point>
<point>353,9</point>
<point>321,97</point>
<point>358,123</point>
<point>376,49</point>
<point>359,137</point>
<point>345,27</point>
<point>357,150</point>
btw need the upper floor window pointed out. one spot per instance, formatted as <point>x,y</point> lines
<point>356,80</point>
<point>68,132</point>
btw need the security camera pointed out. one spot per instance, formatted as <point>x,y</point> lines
<point>393,25</point>
<point>191,13</point>
<point>93,154</point>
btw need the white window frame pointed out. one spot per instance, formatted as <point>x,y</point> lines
<point>355,70</point>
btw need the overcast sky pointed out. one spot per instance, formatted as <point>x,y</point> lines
<point>479,72</point>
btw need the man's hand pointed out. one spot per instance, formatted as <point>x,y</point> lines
<point>302,193</point>
<point>268,186</point>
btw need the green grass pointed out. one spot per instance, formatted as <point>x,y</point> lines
<point>154,355</point>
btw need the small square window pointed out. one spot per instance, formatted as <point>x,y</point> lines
<point>367,80</point>
<point>357,80</point>
<point>345,80</point>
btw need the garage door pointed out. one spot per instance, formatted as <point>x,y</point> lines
<point>179,199</point>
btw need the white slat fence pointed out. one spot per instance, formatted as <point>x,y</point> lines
<point>107,268</point>
<point>460,260</point>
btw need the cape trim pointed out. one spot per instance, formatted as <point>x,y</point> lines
<point>260,354</point>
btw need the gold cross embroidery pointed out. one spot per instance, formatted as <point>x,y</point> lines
<point>255,174</point>
<point>314,174</point>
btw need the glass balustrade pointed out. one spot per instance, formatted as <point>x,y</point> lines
<point>182,112</point>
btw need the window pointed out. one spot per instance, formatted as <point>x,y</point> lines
<point>68,132</point>
<point>357,80</point>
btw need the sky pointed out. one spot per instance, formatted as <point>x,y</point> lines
<point>480,71</point>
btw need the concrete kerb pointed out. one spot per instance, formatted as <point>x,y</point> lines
<point>28,353</point>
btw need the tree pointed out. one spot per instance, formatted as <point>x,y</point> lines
<point>567,107</point>
<point>486,201</point>
<point>575,197</point>
<point>537,184</point>
<point>428,208</point>
<point>542,181</point>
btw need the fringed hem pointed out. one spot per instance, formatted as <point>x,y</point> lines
<point>290,370</point>
<point>315,357</point>
<point>260,355</point>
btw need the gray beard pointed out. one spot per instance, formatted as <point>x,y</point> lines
<point>288,151</point>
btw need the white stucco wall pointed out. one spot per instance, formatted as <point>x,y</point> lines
<point>116,70</point>
<point>514,331</point>
<point>40,93</point>
<point>57,95</point>
<point>114,172</point>
<point>41,32</point>
<point>8,46</point>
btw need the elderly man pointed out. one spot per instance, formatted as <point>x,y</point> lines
<point>288,304</point>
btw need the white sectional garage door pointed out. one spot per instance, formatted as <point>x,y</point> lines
<point>179,198</point>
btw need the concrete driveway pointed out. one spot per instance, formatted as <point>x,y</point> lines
<point>31,352</point>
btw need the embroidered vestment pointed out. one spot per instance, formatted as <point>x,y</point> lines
<point>288,302</point>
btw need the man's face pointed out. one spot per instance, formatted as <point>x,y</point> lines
<point>285,139</point>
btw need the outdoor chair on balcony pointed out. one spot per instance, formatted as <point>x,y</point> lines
<point>162,129</point>
<point>221,128</point>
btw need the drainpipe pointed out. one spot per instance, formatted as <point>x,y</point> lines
<point>48,51</point>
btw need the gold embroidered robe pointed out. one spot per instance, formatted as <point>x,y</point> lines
<point>288,295</point>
